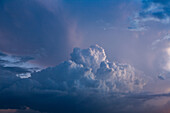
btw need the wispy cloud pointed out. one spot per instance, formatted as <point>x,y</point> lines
<point>162,48</point>
<point>18,64</point>
<point>152,10</point>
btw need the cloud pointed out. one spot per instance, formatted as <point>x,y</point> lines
<point>19,65</point>
<point>82,84</point>
<point>161,49</point>
<point>8,60</point>
<point>136,24</point>
<point>162,46</point>
<point>152,10</point>
<point>164,39</point>
<point>24,75</point>
<point>91,57</point>
<point>87,69</point>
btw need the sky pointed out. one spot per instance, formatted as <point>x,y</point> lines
<point>63,52</point>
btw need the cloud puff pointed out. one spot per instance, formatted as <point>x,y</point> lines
<point>91,57</point>
<point>152,10</point>
<point>87,69</point>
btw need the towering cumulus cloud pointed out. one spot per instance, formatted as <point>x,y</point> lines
<point>88,69</point>
<point>86,83</point>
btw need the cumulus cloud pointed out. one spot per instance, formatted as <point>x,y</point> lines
<point>152,10</point>
<point>88,69</point>
<point>91,57</point>
<point>87,82</point>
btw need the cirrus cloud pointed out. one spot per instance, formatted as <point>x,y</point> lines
<point>152,10</point>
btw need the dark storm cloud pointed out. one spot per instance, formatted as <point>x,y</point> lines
<point>55,101</point>
<point>70,103</point>
<point>31,28</point>
<point>152,10</point>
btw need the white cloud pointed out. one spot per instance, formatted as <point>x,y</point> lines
<point>163,45</point>
<point>161,49</point>
<point>91,57</point>
<point>24,75</point>
<point>158,41</point>
<point>119,77</point>
<point>167,59</point>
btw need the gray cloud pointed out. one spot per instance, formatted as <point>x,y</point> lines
<point>19,65</point>
<point>11,61</point>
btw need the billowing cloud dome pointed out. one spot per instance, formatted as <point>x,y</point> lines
<point>91,57</point>
<point>88,69</point>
